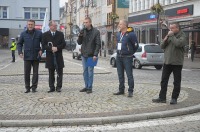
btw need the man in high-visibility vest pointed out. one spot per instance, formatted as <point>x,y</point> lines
<point>13,48</point>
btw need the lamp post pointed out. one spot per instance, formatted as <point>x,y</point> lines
<point>113,25</point>
<point>65,31</point>
<point>50,10</point>
<point>70,24</point>
<point>157,36</point>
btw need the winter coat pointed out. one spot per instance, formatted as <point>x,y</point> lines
<point>31,43</point>
<point>57,41</point>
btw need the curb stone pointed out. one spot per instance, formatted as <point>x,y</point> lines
<point>99,120</point>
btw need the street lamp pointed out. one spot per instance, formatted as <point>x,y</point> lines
<point>157,36</point>
<point>65,31</point>
<point>114,16</point>
<point>157,8</point>
<point>50,10</point>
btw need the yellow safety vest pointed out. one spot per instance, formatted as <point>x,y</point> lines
<point>13,46</point>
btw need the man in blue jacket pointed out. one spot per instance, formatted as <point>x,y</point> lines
<point>30,39</point>
<point>127,44</point>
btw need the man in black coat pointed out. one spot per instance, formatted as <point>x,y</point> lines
<point>53,42</point>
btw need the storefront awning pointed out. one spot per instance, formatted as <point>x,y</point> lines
<point>4,31</point>
<point>191,30</point>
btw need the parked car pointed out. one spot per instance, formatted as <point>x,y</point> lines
<point>146,55</point>
<point>76,53</point>
<point>70,45</point>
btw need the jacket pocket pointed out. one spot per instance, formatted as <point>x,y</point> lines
<point>27,53</point>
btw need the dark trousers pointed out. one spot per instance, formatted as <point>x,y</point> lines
<point>125,63</point>
<point>27,70</point>
<point>52,78</point>
<point>192,55</point>
<point>167,70</point>
<point>13,55</point>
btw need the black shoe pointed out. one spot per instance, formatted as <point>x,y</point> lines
<point>158,100</point>
<point>83,90</point>
<point>51,90</point>
<point>34,91</point>
<point>27,91</point>
<point>130,94</point>
<point>119,93</point>
<point>173,101</point>
<point>58,90</point>
<point>89,91</point>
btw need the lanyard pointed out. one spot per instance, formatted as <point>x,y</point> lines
<point>121,36</point>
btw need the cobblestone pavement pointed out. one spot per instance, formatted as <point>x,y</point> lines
<point>70,103</point>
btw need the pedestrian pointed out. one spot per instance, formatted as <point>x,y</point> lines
<point>89,37</point>
<point>127,44</point>
<point>173,45</point>
<point>53,42</point>
<point>192,49</point>
<point>13,48</point>
<point>30,40</point>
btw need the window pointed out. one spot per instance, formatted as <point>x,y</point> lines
<point>34,13</point>
<point>139,49</point>
<point>27,13</point>
<point>42,13</point>
<point>153,49</point>
<point>3,12</point>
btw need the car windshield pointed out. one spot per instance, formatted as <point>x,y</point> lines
<point>153,49</point>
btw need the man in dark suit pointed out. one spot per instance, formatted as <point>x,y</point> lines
<point>53,42</point>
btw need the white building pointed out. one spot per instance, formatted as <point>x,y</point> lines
<point>15,13</point>
<point>186,12</point>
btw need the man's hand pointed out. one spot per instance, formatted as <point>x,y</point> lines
<point>21,56</point>
<point>170,33</point>
<point>94,58</point>
<point>166,37</point>
<point>54,49</point>
<point>40,53</point>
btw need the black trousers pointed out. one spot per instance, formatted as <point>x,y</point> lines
<point>27,70</point>
<point>167,70</point>
<point>13,55</point>
<point>52,78</point>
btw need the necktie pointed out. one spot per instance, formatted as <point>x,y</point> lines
<point>53,34</point>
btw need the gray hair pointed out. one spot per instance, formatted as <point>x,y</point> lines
<point>125,22</point>
<point>51,22</point>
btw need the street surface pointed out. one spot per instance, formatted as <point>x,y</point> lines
<point>70,103</point>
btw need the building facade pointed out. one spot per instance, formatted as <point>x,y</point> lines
<point>100,11</point>
<point>147,24</point>
<point>15,13</point>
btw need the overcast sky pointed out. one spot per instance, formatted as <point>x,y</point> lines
<point>62,2</point>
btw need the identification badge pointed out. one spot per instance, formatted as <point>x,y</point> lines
<point>119,46</point>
